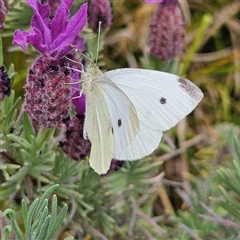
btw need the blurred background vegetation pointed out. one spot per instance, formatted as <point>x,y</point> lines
<point>189,187</point>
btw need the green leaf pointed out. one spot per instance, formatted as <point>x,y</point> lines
<point>27,128</point>
<point>24,212</point>
<point>14,224</point>
<point>58,222</point>
<point>41,221</point>
<point>20,140</point>
<point>43,228</point>
<point>201,30</point>
<point>6,232</point>
<point>32,210</point>
<point>1,51</point>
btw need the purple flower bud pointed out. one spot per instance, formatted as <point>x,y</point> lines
<point>166,31</point>
<point>5,84</point>
<point>99,11</point>
<point>3,12</point>
<point>115,166</point>
<point>74,145</point>
<point>48,92</point>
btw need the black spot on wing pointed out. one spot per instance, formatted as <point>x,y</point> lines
<point>119,122</point>
<point>188,87</point>
<point>163,100</point>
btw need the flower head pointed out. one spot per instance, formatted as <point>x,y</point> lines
<point>99,11</point>
<point>153,1</point>
<point>48,91</point>
<point>53,36</point>
<point>166,30</point>
<point>3,12</point>
<point>73,144</point>
<point>5,84</point>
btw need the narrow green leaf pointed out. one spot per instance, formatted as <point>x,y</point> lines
<point>46,196</point>
<point>42,231</point>
<point>54,210</point>
<point>14,224</point>
<point>21,141</point>
<point>32,210</point>
<point>237,167</point>
<point>24,213</point>
<point>6,232</point>
<point>58,221</point>
<point>19,176</point>
<point>44,135</point>
<point>11,71</point>
<point>27,127</point>
<point>1,51</point>
<point>41,207</point>
<point>229,209</point>
<point>48,193</point>
<point>6,193</point>
<point>41,221</point>
<point>204,24</point>
<point>11,111</point>
<point>237,147</point>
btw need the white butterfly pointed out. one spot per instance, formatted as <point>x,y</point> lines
<point>128,109</point>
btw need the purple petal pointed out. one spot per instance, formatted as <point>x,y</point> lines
<point>75,25</point>
<point>20,39</point>
<point>79,103</point>
<point>41,20</point>
<point>80,43</point>
<point>59,21</point>
<point>35,38</point>
<point>67,3</point>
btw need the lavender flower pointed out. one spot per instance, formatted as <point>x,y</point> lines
<point>48,95</point>
<point>166,30</point>
<point>74,145</point>
<point>99,11</point>
<point>3,12</point>
<point>5,84</point>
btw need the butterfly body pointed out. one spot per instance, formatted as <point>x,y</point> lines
<point>127,111</point>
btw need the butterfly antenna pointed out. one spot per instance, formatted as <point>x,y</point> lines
<point>98,41</point>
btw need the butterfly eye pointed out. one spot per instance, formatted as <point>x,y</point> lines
<point>119,122</point>
<point>163,100</point>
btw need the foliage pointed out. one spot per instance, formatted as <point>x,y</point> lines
<point>39,222</point>
<point>188,189</point>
